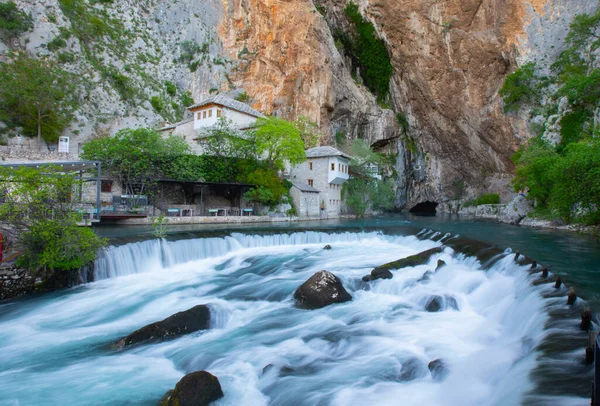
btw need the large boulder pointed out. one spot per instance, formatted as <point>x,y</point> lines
<point>515,211</point>
<point>188,321</point>
<point>320,290</point>
<point>196,389</point>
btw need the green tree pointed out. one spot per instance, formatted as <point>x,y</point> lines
<point>13,22</point>
<point>279,141</point>
<point>135,157</point>
<point>364,190</point>
<point>39,214</point>
<point>521,87</point>
<point>38,96</point>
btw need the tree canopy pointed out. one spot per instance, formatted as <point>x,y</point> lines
<point>365,191</point>
<point>38,96</point>
<point>135,156</point>
<point>39,214</point>
<point>279,141</point>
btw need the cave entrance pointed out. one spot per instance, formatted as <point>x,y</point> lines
<point>424,208</point>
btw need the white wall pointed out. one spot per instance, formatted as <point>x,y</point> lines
<point>340,173</point>
<point>239,119</point>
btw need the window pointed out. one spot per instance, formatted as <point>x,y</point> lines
<point>310,166</point>
<point>339,167</point>
<point>204,114</point>
<point>210,113</point>
<point>106,186</point>
<point>310,182</point>
<point>333,167</point>
<point>219,113</point>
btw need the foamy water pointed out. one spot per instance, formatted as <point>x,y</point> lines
<point>373,350</point>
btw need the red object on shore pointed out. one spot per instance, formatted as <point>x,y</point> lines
<point>1,247</point>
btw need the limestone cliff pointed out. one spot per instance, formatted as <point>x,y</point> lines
<point>449,59</point>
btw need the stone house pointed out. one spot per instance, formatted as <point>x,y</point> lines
<point>206,115</point>
<point>317,182</point>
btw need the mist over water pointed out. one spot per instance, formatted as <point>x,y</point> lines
<point>373,350</point>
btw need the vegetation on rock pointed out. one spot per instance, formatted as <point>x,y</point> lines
<point>563,179</point>
<point>13,22</point>
<point>370,53</point>
<point>38,96</point>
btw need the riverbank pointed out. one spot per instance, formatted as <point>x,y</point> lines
<point>495,212</point>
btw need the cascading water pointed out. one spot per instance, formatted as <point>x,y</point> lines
<point>373,350</point>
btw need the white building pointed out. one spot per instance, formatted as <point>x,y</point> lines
<point>206,114</point>
<point>317,182</point>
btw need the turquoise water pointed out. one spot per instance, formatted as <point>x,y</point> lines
<point>509,340</point>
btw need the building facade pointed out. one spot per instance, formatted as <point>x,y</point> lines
<point>317,182</point>
<point>206,115</point>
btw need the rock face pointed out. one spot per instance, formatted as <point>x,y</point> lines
<point>196,389</point>
<point>515,211</point>
<point>449,59</point>
<point>188,321</point>
<point>320,290</point>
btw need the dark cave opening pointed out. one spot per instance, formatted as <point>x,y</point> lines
<point>424,208</point>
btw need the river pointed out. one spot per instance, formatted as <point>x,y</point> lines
<point>505,341</point>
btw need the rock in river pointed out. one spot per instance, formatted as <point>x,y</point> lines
<point>188,321</point>
<point>196,389</point>
<point>320,290</point>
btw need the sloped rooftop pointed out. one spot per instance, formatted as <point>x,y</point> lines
<point>303,186</point>
<point>325,151</point>
<point>228,102</point>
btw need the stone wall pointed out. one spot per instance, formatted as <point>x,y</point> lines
<point>16,153</point>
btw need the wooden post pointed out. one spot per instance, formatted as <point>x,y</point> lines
<point>596,390</point>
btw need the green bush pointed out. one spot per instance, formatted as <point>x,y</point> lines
<point>520,87</point>
<point>56,43</point>
<point>13,22</point>
<point>157,103</point>
<point>66,57</point>
<point>242,97</point>
<point>171,88</point>
<point>488,198</point>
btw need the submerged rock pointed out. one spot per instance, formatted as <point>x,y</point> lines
<point>426,277</point>
<point>185,322</point>
<point>413,260</point>
<point>320,290</point>
<point>196,389</point>
<point>440,264</point>
<point>327,247</point>
<point>378,274</point>
<point>440,303</point>
<point>438,369</point>
<point>412,369</point>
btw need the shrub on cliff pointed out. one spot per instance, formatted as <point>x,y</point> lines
<point>13,22</point>
<point>373,58</point>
